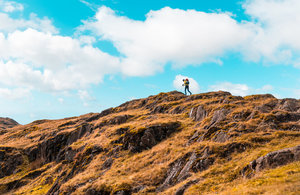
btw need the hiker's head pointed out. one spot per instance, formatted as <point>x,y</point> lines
<point>186,79</point>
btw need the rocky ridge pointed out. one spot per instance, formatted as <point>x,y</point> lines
<point>6,123</point>
<point>168,143</point>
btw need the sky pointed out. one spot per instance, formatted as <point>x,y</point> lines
<point>67,58</point>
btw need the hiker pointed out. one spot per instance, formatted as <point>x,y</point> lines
<point>186,83</point>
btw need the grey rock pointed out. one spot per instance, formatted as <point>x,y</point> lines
<point>221,136</point>
<point>267,107</point>
<point>107,164</point>
<point>289,104</point>
<point>272,160</point>
<point>198,113</point>
<point>219,116</point>
<point>181,169</point>
<point>148,137</point>
<point>177,110</point>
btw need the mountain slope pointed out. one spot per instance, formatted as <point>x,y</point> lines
<point>164,144</point>
<point>7,123</point>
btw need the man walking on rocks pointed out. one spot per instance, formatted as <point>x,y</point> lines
<point>186,84</point>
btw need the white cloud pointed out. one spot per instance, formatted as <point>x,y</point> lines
<point>234,89</point>
<point>168,35</point>
<point>51,62</point>
<point>9,24</point>
<point>186,37</point>
<point>89,40</point>
<point>19,75</point>
<point>276,24</point>
<point>85,97</point>
<point>34,56</point>
<point>265,89</point>
<point>61,100</point>
<point>90,5</point>
<point>17,93</point>
<point>10,6</point>
<point>239,89</point>
<point>194,86</point>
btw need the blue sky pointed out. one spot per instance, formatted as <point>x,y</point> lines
<point>66,58</point>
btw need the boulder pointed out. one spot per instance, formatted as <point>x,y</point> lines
<point>272,160</point>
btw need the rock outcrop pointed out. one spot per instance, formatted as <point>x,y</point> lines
<point>146,138</point>
<point>198,113</point>
<point>164,144</point>
<point>10,159</point>
<point>50,148</point>
<point>272,160</point>
<point>197,161</point>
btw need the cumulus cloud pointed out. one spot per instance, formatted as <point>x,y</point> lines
<point>168,35</point>
<point>185,37</point>
<point>194,86</point>
<point>51,62</point>
<point>235,89</point>
<point>239,89</point>
<point>10,6</point>
<point>9,24</point>
<point>17,93</point>
<point>19,75</point>
<point>265,89</point>
<point>34,56</point>
<point>277,29</point>
<point>85,97</point>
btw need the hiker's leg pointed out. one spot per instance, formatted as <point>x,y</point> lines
<point>185,90</point>
<point>189,91</point>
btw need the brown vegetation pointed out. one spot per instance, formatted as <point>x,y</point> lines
<point>165,144</point>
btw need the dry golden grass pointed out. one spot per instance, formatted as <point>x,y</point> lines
<point>224,175</point>
<point>149,167</point>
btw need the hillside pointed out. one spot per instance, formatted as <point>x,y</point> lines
<point>6,123</point>
<point>165,144</point>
